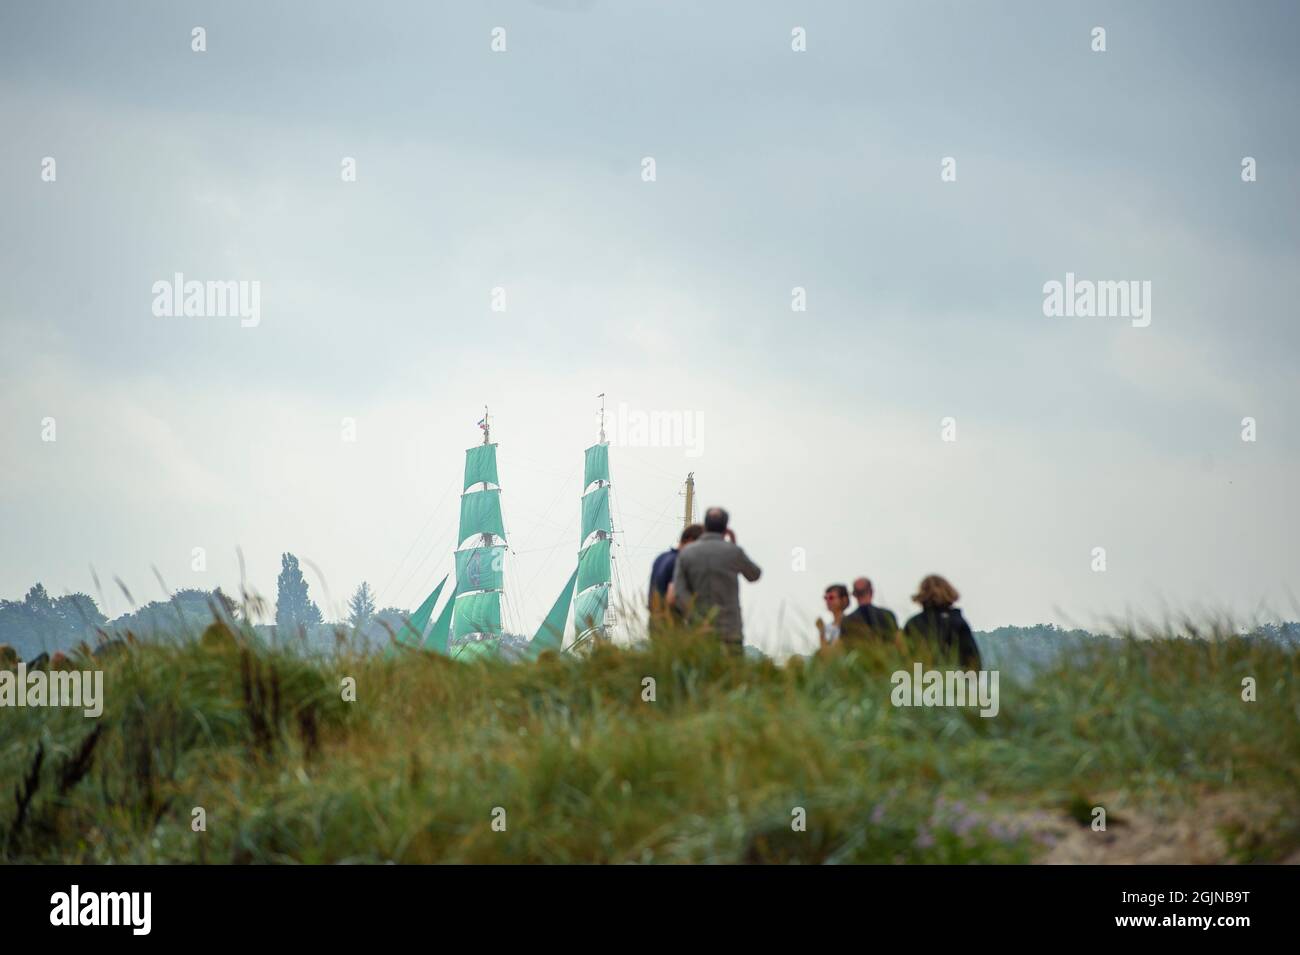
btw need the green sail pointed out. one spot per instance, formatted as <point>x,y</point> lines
<point>597,468</point>
<point>480,513</point>
<point>593,564</point>
<point>411,633</point>
<point>589,609</point>
<point>481,465</point>
<point>595,513</point>
<point>436,641</point>
<point>550,635</point>
<point>479,568</point>
<point>477,613</point>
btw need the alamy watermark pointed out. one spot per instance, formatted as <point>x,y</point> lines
<point>635,428</point>
<point>194,299</point>
<point>133,909</point>
<point>924,687</point>
<point>1088,299</point>
<point>84,688</point>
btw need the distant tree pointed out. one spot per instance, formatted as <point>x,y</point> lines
<point>392,618</point>
<point>1286,633</point>
<point>293,605</point>
<point>38,601</point>
<point>39,623</point>
<point>75,614</point>
<point>187,611</point>
<point>361,608</point>
<point>226,603</point>
<point>16,626</point>
<point>1021,652</point>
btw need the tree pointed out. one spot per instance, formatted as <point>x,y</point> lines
<point>187,611</point>
<point>38,601</point>
<point>226,603</point>
<point>293,606</point>
<point>39,623</point>
<point>75,614</point>
<point>361,608</point>
<point>392,618</point>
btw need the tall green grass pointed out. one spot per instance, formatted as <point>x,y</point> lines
<point>715,769</point>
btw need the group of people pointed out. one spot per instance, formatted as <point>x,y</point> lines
<point>699,580</point>
<point>939,622</point>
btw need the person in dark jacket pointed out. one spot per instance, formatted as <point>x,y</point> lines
<point>868,621</point>
<point>940,623</point>
<point>661,573</point>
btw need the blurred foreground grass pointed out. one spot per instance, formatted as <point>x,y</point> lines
<point>586,770</point>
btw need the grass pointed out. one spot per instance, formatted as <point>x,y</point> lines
<point>579,767</point>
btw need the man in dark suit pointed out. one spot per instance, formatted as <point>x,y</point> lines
<point>868,621</point>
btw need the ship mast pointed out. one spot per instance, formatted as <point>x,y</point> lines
<point>593,581</point>
<point>486,539</point>
<point>601,534</point>
<point>689,518</point>
<point>611,617</point>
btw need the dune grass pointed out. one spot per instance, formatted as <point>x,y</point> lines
<point>434,757</point>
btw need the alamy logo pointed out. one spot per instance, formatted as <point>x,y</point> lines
<point>924,687</point>
<point>195,299</point>
<point>659,429</point>
<point>103,908</point>
<point>1088,299</point>
<point>55,688</point>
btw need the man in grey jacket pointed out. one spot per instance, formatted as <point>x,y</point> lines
<point>704,580</point>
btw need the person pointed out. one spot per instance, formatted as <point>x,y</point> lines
<point>704,578</point>
<point>661,572</point>
<point>836,598</point>
<point>868,620</point>
<point>942,624</point>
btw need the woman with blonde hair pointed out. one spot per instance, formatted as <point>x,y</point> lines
<point>940,623</point>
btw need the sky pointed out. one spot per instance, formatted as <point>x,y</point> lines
<point>919,170</point>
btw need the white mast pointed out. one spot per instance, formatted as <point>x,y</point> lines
<point>486,539</point>
<point>611,618</point>
<point>487,439</point>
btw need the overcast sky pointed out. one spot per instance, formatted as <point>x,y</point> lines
<point>820,430</point>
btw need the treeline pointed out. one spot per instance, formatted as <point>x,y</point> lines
<point>1021,652</point>
<point>40,623</point>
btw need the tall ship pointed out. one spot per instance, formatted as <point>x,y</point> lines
<point>469,624</point>
<point>593,613</point>
<point>591,583</point>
